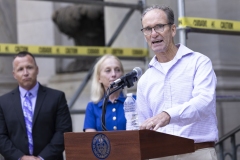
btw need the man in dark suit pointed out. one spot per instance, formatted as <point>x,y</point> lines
<point>42,138</point>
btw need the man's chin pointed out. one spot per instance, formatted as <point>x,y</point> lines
<point>28,86</point>
<point>157,49</point>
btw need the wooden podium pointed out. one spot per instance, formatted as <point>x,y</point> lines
<point>127,145</point>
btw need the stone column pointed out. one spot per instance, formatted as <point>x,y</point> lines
<point>8,35</point>
<point>35,27</point>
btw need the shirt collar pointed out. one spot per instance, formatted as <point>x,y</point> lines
<point>33,90</point>
<point>182,51</point>
<point>121,98</point>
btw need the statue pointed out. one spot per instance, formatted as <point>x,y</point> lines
<point>85,24</point>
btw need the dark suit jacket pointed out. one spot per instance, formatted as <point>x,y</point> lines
<point>51,119</point>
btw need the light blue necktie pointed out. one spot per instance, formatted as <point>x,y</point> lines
<point>28,115</point>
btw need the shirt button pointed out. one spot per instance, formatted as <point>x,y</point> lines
<point>114,109</point>
<point>114,118</point>
<point>114,127</point>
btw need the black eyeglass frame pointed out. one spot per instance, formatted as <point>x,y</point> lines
<point>162,25</point>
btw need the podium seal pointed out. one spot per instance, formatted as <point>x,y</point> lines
<point>101,146</point>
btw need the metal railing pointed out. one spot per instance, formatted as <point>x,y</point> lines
<point>223,154</point>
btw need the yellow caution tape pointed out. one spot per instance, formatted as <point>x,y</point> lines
<point>209,24</point>
<point>9,49</point>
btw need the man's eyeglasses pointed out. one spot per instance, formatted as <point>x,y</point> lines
<point>158,28</point>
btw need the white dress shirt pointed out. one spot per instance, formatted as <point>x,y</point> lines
<point>186,92</point>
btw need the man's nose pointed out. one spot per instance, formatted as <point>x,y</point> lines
<point>25,71</point>
<point>154,32</point>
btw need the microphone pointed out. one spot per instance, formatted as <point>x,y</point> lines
<point>128,79</point>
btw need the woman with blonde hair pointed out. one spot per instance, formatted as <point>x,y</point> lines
<point>106,71</point>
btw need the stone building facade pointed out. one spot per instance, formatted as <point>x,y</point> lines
<point>30,23</point>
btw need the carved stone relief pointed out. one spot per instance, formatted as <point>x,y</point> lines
<point>85,24</point>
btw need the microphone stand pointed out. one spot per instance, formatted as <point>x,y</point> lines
<point>106,98</point>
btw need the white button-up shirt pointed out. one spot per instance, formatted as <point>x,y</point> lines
<point>186,92</point>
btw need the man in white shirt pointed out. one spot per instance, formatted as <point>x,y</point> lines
<point>176,95</point>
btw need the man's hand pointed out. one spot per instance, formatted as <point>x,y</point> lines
<point>160,120</point>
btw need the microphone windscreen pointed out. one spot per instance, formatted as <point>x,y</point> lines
<point>139,71</point>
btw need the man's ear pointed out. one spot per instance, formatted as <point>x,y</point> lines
<point>37,70</point>
<point>14,74</point>
<point>174,30</point>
